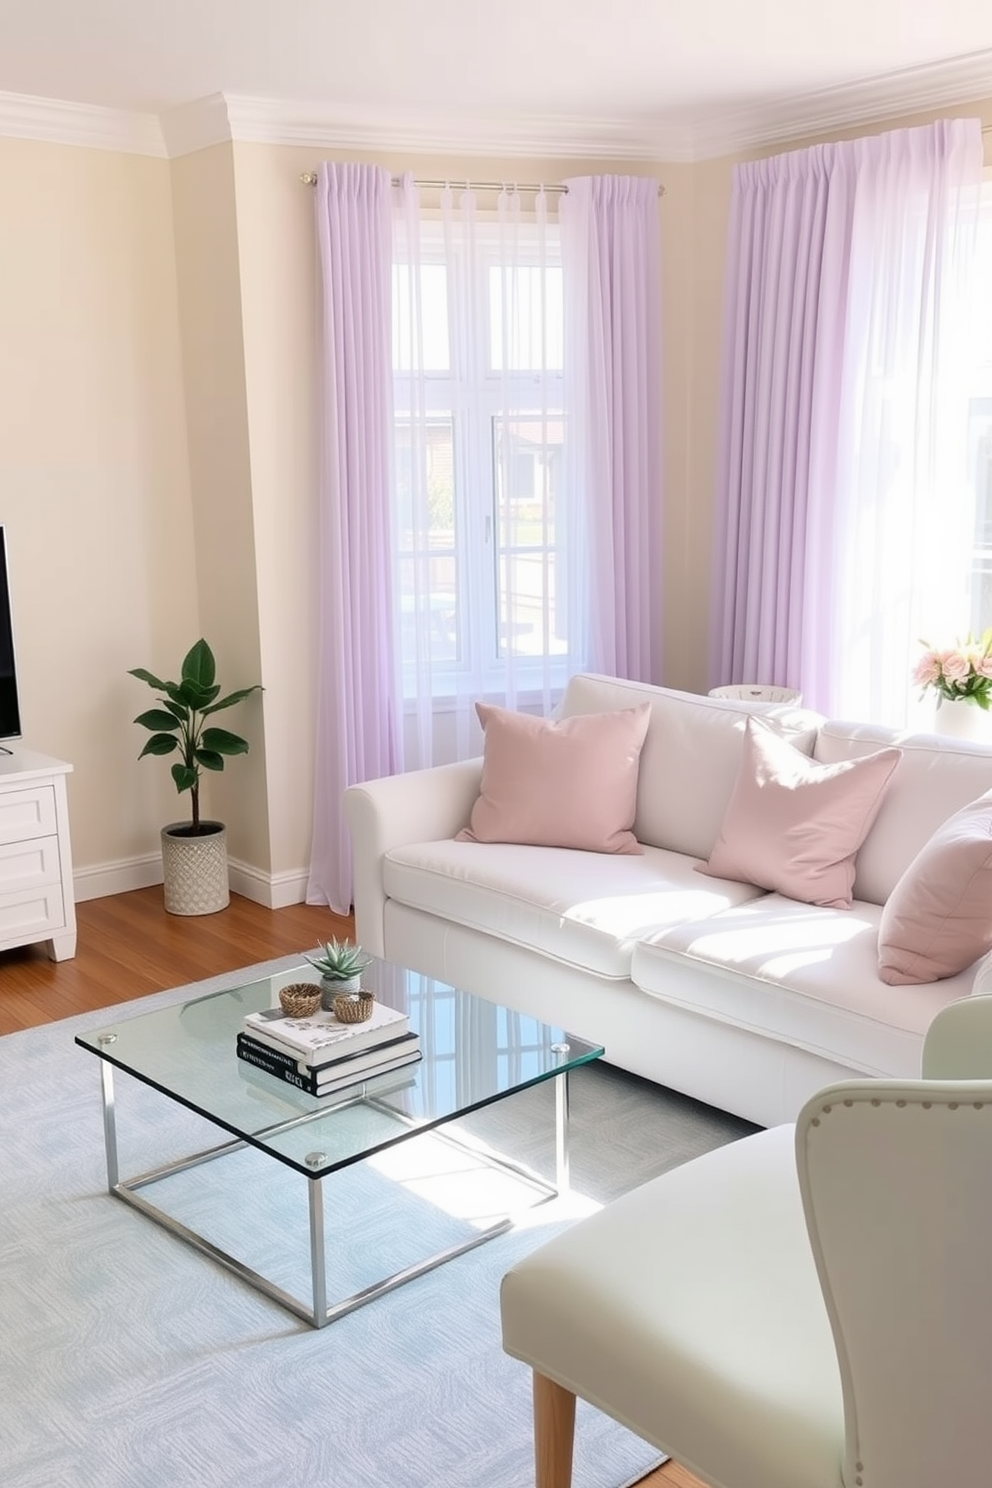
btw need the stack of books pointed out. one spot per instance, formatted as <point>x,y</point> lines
<point>319,1054</point>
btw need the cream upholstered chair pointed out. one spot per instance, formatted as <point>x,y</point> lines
<point>808,1307</point>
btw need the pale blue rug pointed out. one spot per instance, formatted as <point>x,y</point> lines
<point>128,1360</point>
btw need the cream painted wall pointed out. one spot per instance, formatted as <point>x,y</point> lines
<point>278,285</point>
<point>224,551</point>
<point>94,488</point>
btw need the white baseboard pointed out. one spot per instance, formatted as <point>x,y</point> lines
<point>101,879</point>
<point>273,891</point>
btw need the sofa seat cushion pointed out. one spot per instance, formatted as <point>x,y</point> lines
<point>582,908</point>
<point>802,974</point>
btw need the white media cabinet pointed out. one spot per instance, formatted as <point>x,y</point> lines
<point>37,902</point>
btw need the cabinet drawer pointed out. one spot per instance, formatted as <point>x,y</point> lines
<point>31,915</point>
<point>28,865</point>
<point>27,813</point>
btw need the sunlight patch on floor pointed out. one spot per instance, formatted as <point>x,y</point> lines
<point>459,1182</point>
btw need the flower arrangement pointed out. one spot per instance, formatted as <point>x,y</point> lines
<point>961,671</point>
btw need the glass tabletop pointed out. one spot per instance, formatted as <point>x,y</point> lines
<point>473,1051</point>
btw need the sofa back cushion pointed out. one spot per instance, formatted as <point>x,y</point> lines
<point>935,777</point>
<point>691,756</point>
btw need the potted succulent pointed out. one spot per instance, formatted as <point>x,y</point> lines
<point>341,963</point>
<point>194,852</point>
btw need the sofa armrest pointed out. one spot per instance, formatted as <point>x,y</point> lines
<point>419,806</point>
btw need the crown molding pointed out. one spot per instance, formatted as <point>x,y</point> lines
<point>914,90</point>
<point>220,119</point>
<point>197,126</point>
<point>54,122</point>
<point>270,122</point>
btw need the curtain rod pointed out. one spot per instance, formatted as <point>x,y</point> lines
<point>309,178</point>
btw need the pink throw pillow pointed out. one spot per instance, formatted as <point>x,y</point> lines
<point>795,826</point>
<point>938,918</point>
<point>570,782</point>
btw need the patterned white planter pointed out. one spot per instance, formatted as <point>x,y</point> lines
<point>195,869</point>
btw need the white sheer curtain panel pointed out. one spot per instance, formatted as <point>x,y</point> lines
<point>899,523</point>
<point>481,514</point>
<point>358,736</point>
<point>611,252</point>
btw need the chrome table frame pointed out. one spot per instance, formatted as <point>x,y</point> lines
<point>317,1312</point>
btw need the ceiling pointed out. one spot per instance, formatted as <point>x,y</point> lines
<point>676,77</point>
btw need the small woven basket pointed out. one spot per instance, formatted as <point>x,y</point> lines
<point>354,1009</point>
<point>299,999</point>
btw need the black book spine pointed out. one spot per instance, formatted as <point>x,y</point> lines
<point>273,1066</point>
<point>265,1051</point>
<point>292,1062</point>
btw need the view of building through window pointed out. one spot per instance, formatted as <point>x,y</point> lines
<point>479,448</point>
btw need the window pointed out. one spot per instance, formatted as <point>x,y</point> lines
<point>979,433</point>
<point>479,450</point>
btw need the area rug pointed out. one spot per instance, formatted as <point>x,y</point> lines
<point>131,1361</point>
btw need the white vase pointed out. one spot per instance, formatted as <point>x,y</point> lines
<point>959,718</point>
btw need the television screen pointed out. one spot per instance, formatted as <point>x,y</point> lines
<point>10,717</point>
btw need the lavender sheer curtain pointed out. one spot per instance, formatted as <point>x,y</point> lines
<point>787,258</point>
<point>844,266</point>
<point>358,734</point>
<point>611,261</point>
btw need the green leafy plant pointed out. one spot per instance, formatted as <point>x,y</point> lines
<point>180,724</point>
<point>339,960</point>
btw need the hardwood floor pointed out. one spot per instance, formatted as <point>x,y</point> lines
<point>128,947</point>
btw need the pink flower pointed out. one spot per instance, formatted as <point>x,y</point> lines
<point>984,666</point>
<point>927,669</point>
<point>956,668</point>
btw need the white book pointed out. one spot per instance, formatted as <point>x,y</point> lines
<point>322,1036</point>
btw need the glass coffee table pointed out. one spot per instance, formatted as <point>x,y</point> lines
<point>474,1054</point>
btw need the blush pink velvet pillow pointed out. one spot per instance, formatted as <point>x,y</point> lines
<point>938,918</point>
<point>559,783</point>
<point>795,826</point>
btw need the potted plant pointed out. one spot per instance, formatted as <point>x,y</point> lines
<point>341,964</point>
<point>194,852</point>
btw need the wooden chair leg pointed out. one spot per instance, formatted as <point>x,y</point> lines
<point>554,1433</point>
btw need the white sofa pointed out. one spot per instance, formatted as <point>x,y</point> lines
<point>744,999</point>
